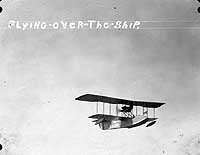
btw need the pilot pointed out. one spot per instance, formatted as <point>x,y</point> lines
<point>127,109</point>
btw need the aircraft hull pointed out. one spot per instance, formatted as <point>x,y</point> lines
<point>123,123</point>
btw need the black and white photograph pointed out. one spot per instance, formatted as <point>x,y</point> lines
<point>100,77</point>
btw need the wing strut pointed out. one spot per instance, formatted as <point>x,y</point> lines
<point>110,109</point>
<point>117,109</point>
<point>136,110</point>
<point>103,107</point>
<point>147,111</point>
<point>97,108</point>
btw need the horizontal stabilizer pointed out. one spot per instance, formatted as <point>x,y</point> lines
<point>99,121</point>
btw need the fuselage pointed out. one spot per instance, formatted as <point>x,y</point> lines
<point>123,123</point>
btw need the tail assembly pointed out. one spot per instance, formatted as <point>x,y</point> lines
<point>99,121</point>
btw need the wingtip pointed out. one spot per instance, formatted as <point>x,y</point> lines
<point>162,103</point>
<point>78,98</point>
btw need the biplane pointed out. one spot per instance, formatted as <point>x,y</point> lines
<point>126,116</point>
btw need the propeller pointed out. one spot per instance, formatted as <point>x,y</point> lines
<point>145,112</point>
<point>118,110</point>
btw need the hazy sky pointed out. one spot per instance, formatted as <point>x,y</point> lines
<point>42,72</point>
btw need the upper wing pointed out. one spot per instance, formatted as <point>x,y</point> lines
<point>111,100</point>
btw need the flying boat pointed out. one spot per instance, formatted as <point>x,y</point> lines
<point>127,116</point>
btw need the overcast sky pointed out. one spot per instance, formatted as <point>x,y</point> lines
<point>42,72</point>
